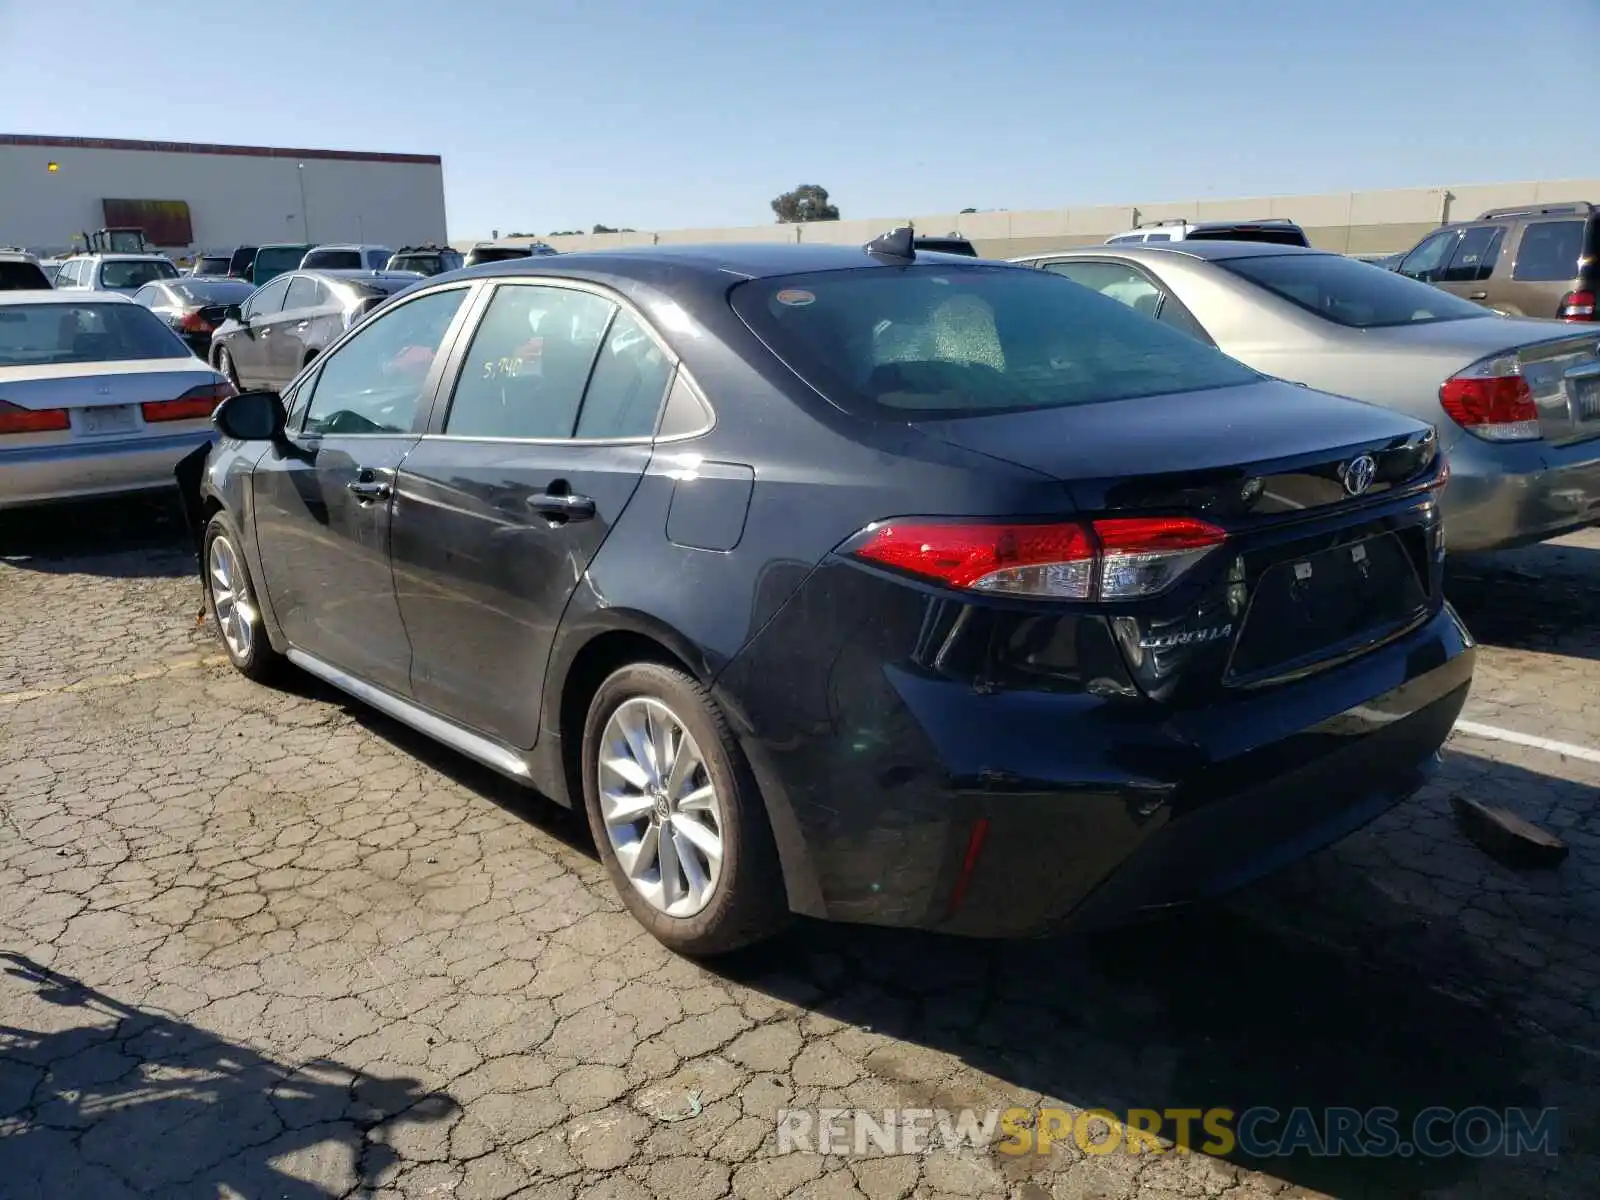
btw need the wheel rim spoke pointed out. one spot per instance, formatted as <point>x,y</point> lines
<point>230,600</point>
<point>661,812</point>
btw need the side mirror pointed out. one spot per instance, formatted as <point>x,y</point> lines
<point>251,417</point>
<point>233,313</point>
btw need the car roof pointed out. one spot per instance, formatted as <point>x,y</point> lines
<point>352,275</point>
<point>68,296</point>
<point>349,246</point>
<point>108,257</point>
<point>748,260</point>
<point>1207,249</point>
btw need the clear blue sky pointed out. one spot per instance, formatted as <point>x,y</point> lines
<point>556,114</point>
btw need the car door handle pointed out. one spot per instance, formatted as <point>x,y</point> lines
<point>302,326</point>
<point>562,506</point>
<point>369,489</point>
<point>1477,295</point>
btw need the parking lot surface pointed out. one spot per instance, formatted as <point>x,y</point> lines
<point>267,943</point>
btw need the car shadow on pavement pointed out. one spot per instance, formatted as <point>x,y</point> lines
<point>1544,598</point>
<point>123,538</point>
<point>132,1103</point>
<point>1336,984</point>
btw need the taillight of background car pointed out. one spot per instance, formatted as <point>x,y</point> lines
<point>16,419</point>
<point>1118,558</point>
<point>1576,306</point>
<point>196,403</point>
<point>1491,400</point>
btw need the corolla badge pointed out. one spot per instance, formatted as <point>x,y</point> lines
<point>1359,473</point>
<point>1189,637</point>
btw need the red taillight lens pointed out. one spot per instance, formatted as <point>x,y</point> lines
<point>1119,558</point>
<point>194,404</point>
<point>16,419</point>
<point>1576,306</point>
<point>193,322</point>
<point>1492,400</point>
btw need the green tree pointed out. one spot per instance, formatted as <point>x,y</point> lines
<point>808,202</point>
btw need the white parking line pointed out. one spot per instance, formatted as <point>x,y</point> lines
<point>1495,733</point>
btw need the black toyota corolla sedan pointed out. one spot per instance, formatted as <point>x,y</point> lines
<point>862,583</point>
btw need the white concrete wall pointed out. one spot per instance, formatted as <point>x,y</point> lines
<point>1354,222</point>
<point>233,199</point>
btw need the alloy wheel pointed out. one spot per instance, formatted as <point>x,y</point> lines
<point>237,618</point>
<point>660,808</point>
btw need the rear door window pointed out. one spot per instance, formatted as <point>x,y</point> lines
<point>1474,256</point>
<point>627,384</point>
<point>376,259</point>
<point>305,292</point>
<point>1549,252</point>
<point>523,375</point>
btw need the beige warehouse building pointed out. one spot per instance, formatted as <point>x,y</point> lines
<point>201,196</point>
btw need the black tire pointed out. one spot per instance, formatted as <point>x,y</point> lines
<point>226,368</point>
<point>748,902</point>
<point>256,660</point>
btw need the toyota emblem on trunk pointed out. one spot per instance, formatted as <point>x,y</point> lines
<point>1359,473</point>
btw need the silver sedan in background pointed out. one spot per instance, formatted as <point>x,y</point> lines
<point>97,397</point>
<point>1516,400</point>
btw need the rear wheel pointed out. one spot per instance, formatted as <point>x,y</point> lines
<point>676,815</point>
<point>233,603</point>
<point>225,366</point>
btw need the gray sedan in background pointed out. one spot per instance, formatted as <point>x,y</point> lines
<point>97,397</point>
<point>1516,400</point>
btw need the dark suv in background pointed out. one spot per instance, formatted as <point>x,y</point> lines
<point>1532,261</point>
<point>426,260</point>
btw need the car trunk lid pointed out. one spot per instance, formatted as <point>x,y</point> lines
<point>101,399</point>
<point>1333,543</point>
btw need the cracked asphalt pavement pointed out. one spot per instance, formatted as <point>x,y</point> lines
<point>267,943</point>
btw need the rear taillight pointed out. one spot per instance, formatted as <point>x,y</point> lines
<point>1116,558</point>
<point>1492,400</point>
<point>1576,306</point>
<point>193,322</point>
<point>16,419</point>
<point>194,404</point>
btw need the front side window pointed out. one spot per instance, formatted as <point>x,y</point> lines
<point>1549,252</point>
<point>524,373</point>
<point>373,382</point>
<point>939,341</point>
<point>40,334</point>
<point>1428,259</point>
<point>1350,293</point>
<point>626,386</point>
<point>267,299</point>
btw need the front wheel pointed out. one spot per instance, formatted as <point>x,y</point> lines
<point>676,815</point>
<point>232,596</point>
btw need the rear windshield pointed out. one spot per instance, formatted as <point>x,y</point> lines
<point>1276,236</point>
<point>1351,293</point>
<point>944,341</point>
<point>68,333</point>
<point>499,253</point>
<point>213,291</point>
<point>212,266</point>
<point>21,276</point>
<point>333,260</point>
<point>427,264</point>
<point>275,260</point>
<point>116,274</point>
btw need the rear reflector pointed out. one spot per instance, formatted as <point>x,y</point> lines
<point>1576,306</point>
<point>1492,400</point>
<point>969,863</point>
<point>194,405</point>
<point>16,419</point>
<point>1119,558</point>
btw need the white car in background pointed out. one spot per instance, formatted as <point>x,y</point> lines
<point>97,397</point>
<point>124,273</point>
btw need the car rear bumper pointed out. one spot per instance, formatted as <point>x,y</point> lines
<point>1513,494</point>
<point>84,469</point>
<point>924,801</point>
